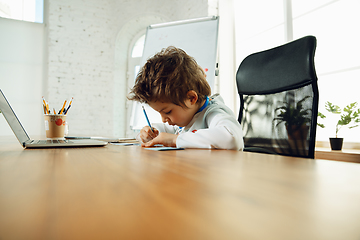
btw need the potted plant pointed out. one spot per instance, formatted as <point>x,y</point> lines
<point>295,118</point>
<point>348,116</point>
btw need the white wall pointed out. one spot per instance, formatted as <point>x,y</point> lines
<point>227,67</point>
<point>21,73</point>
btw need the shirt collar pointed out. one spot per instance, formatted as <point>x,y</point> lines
<point>205,104</point>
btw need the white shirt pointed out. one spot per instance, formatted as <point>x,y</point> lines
<point>214,127</point>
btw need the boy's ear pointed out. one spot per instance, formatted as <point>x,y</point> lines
<point>192,96</point>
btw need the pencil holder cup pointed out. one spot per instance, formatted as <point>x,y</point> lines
<point>55,125</point>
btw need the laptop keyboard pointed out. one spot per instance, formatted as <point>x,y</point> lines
<point>50,141</point>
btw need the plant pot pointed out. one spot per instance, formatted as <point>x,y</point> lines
<point>297,132</point>
<point>336,143</point>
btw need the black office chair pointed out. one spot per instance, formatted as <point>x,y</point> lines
<point>270,82</point>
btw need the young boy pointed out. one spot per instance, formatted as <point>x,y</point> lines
<point>173,84</point>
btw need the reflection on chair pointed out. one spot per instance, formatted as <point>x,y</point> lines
<point>276,86</point>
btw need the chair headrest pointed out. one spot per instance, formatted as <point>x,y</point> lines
<point>285,67</point>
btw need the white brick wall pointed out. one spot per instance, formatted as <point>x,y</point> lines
<point>82,38</point>
<point>80,58</point>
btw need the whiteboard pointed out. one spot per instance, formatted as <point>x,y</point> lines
<point>197,37</point>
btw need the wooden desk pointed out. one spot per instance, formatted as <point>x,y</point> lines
<point>119,192</point>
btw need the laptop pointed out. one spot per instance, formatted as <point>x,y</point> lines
<point>24,138</point>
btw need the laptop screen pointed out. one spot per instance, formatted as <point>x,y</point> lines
<point>11,118</point>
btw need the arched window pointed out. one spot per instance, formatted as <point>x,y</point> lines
<point>135,59</point>
<point>134,62</point>
<point>138,48</point>
<point>126,68</point>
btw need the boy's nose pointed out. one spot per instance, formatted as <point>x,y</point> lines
<point>164,119</point>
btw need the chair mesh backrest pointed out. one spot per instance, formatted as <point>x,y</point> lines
<point>269,80</point>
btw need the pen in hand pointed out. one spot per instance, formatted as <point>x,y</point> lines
<point>147,119</point>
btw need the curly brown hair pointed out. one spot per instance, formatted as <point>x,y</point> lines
<point>168,76</point>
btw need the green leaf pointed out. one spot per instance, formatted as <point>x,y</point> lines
<point>345,120</point>
<point>332,108</point>
<point>349,115</point>
<point>321,115</point>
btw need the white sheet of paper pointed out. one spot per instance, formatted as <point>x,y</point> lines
<point>163,148</point>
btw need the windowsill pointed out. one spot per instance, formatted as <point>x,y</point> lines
<point>21,20</point>
<point>346,145</point>
<point>349,153</point>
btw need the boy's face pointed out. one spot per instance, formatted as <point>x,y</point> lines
<point>174,114</point>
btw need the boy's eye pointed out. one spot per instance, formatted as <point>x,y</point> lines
<point>168,112</point>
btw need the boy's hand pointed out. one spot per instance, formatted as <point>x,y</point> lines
<point>166,139</point>
<point>147,135</point>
